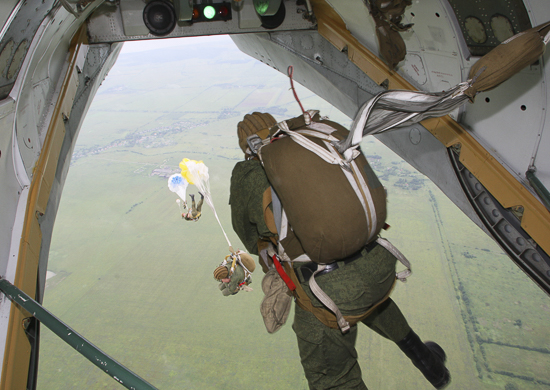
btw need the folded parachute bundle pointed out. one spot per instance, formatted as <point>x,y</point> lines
<point>327,206</point>
<point>335,205</point>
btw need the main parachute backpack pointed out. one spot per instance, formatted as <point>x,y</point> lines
<point>334,205</point>
<point>327,206</point>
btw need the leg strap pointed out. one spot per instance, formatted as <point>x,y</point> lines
<point>325,300</point>
<point>403,275</point>
<point>323,314</point>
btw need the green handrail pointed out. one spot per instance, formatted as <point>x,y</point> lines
<point>110,366</point>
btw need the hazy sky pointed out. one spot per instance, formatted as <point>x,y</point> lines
<point>139,46</point>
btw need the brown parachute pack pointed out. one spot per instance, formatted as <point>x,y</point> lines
<point>326,206</point>
<point>332,205</point>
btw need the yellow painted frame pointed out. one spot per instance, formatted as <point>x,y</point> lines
<point>18,350</point>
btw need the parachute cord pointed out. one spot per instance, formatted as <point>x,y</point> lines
<point>290,71</point>
<point>208,199</point>
<point>201,182</point>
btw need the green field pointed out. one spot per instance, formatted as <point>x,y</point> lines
<point>135,279</point>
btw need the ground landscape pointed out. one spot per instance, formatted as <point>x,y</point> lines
<point>136,280</point>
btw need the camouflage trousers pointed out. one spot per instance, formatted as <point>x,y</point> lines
<point>196,210</point>
<point>329,357</point>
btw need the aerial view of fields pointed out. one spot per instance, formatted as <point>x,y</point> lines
<point>134,278</point>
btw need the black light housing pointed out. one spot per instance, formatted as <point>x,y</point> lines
<point>274,21</point>
<point>160,17</point>
<point>212,12</point>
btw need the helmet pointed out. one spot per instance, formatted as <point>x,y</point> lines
<point>255,123</point>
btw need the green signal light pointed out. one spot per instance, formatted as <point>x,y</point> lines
<point>209,12</point>
<point>262,8</point>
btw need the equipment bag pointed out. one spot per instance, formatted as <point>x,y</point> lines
<point>335,205</point>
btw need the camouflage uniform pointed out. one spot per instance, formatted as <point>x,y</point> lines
<point>195,213</point>
<point>328,357</point>
<point>248,183</point>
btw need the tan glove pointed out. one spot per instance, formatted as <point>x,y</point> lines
<point>255,123</point>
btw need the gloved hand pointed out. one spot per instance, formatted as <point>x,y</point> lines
<point>255,123</point>
<point>229,286</point>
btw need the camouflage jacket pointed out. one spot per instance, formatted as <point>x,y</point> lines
<point>248,184</point>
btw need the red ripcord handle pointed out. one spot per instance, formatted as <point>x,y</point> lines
<point>290,284</point>
<point>290,71</point>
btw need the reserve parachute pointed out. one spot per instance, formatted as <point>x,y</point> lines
<point>177,184</point>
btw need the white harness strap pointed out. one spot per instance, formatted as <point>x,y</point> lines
<point>403,275</point>
<point>354,185</point>
<point>277,210</point>
<point>321,127</point>
<point>325,300</point>
<point>361,190</point>
<point>313,147</point>
<point>283,126</point>
<point>370,202</point>
<point>316,134</point>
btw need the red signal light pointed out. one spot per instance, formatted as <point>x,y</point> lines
<point>223,11</point>
<point>196,13</point>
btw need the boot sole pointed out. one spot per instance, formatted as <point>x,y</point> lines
<point>436,349</point>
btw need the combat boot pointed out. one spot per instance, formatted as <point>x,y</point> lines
<point>428,357</point>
